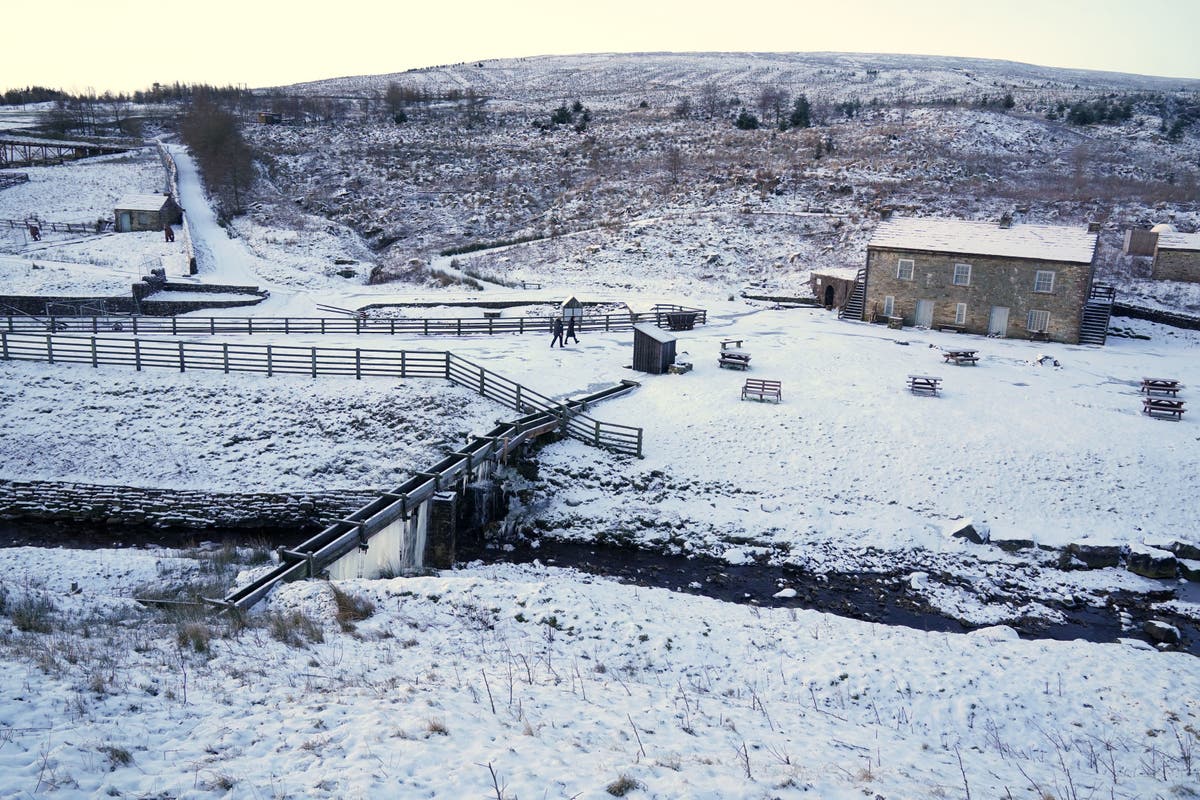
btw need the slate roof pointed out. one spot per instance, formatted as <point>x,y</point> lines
<point>654,332</point>
<point>963,237</point>
<point>142,202</point>
<point>1179,241</point>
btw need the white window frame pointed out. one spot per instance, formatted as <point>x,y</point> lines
<point>1037,279</point>
<point>1042,316</point>
<point>903,263</point>
<point>889,306</point>
<point>960,314</point>
<point>966,281</point>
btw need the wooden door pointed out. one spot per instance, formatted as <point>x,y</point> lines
<point>924,313</point>
<point>998,321</point>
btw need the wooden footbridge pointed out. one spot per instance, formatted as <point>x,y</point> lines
<point>20,151</point>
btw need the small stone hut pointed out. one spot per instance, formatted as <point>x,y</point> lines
<point>653,349</point>
<point>832,286</point>
<point>146,212</point>
<point>1177,258</point>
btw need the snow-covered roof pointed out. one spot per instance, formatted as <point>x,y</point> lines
<point>143,202</point>
<point>841,273</point>
<point>1179,241</point>
<point>654,332</point>
<point>1042,242</point>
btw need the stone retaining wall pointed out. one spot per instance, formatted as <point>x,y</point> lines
<point>94,504</point>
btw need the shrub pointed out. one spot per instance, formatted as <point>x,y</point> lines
<point>351,609</point>
<point>33,613</point>
<point>195,635</point>
<point>746,121</point>
<point>294,629</point>
<point>116,756</point>
<point>622,786</point>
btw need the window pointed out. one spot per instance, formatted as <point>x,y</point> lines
<point>962,274</point>
<point>889,306</point>
<point>1038,321</point>
<point>904,269</point>
<point>960,313</point>
<point>1043,281</point>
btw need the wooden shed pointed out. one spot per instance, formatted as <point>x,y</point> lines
<point>145,212</point>
<point>571,308</point>
<point>653,349</point>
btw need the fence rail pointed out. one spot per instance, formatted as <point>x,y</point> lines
<point>273,359</point>
<point>425,326</point>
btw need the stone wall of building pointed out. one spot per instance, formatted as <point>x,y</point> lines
<point>994,281</point>
<point>94,504</point>
<point>1176,265</point>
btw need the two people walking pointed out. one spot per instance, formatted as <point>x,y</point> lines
<point>558,332</point>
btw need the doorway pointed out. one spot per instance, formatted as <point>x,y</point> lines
<point>998,321</point>
<point>829,296</point>
<point>924,314</point>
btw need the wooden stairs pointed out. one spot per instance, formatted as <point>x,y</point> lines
<point>853,307</point>
<point>1093,326</point>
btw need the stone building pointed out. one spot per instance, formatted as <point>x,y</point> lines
<point>145,212</point>
<point>1177,257</point>
<point>1014,280</point>
<point>832,285</point>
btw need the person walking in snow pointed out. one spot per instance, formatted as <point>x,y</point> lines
<point>570,331</point>
<point>558,332</point>
<point>170,234</point>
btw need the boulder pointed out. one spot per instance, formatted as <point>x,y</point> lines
<point>1161,632</point>
<point>1096,556</point>
<point>1185,550</point>
<point>1189,570</point>
<point>1159,564</point>
<point>970,533</point>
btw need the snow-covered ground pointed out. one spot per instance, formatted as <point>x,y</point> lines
<point>559,685</point>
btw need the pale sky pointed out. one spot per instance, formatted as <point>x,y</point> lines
<point>125,45</point>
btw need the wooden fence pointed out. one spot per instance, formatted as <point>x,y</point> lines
<point>661,315</point>
<point>60,227</point>
<point>272,359</point>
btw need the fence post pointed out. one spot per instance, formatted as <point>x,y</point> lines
<point>392,326</point>
<point>357,362</point>
<point>4,342</point>
<point>10,324</point>
<point>521,325</point>
<point>212,326</point>
<point>94,323</point>
<point>518,408</point>
<point>314,362</point>
<point>597,438</point>
<point>606,318</point>
<point>285,326</point>
<point>50,348</point>
<point>447,365</point>
<point>458,326</point>
<point>137,354</point>
<point>270,369</point>
<point>135,317</point>
<point>322,326</point>
<point>482,378</point>
<point>357,325</point>
<point>403,366</point>
<point>426,326</point>
<point>94,361</point>
<point>225,356</point>
<point>639,444</point>
<point>250,325</point>
<point>181,364</point>
<point>174,325</point>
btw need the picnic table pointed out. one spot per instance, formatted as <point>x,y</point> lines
<point>1160,386</point>
<point>924,384</point>
<point>1163,407</point>
<point>733,356</point>
<point>961,357</point>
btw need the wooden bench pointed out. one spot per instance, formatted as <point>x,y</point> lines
<point>1160,386</point>
<point>1163,407</point>
<point>763,389</point>
<point>924,384</point>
